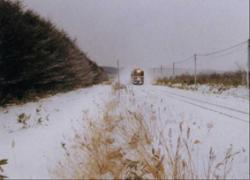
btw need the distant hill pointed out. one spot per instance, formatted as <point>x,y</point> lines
<point>110,70</point>
<point>36,58</point>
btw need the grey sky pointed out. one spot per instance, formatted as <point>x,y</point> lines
<point>148,32</point>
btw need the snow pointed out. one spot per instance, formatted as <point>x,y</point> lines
<point>34,150</point>
<point>240,91</point>
<point>225,130</point>
<point>216,120</point>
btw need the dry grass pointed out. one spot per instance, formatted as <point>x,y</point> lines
<point>126,145</point>
<point>108,82</point>
<point>23,119</point>
<point>228,79</point>
<point>2,163</point>
<point>118,86</point>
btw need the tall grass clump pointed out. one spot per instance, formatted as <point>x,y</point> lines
<point>36,58</point>
<point>125,144</point>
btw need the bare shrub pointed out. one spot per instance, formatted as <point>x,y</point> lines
<point>118,86</point>
<point>23,119</point>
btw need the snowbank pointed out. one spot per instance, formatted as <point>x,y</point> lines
<point>34,149</point>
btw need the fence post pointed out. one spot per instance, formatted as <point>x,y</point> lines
<point>195,70</point>
<point>248,62</point>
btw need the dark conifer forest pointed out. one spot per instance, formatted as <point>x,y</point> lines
<point>37,59</point>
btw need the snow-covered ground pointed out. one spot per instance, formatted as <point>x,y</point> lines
<point>33,150</point>
<point>217,121</point>
<point>240,91</point>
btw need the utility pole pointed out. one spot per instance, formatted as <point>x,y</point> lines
<point>173,70</point>
<point>248,62</point>
<point>195,70</point>
<point>161,71</point>
<point>119,83</point>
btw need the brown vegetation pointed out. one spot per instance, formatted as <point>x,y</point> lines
<point>227,79</point>
<point>2,163</point>
<point>123,144</point>
<point>116,87</point>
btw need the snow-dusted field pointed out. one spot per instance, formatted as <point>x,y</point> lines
<point>34,149</point>
<point>217,121</point>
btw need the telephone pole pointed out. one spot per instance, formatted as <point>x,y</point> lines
<point>248,62</point>
<point>173,70</point>
<point>195,70</point>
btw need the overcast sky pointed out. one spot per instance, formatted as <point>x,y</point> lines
<point>148,32</point>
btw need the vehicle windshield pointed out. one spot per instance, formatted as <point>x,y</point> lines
<point>138,73</point>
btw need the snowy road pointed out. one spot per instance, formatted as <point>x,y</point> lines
<point>217,121</point>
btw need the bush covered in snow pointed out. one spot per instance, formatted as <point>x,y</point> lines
<point>36,58</point>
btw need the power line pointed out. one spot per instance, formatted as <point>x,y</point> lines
<point>225,53</point>
<point>223,50</point>
<point>219,52</point>
<point>184,60</point>
<point>211,53</point>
